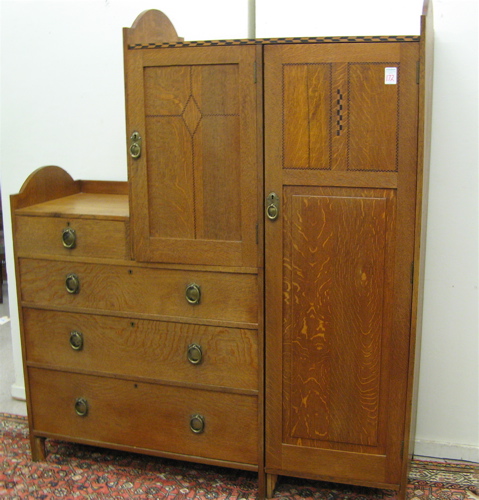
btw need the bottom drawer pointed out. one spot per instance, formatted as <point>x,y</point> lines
<point>198,423</point>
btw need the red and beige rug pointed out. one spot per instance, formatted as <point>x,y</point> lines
<point>74,471</point>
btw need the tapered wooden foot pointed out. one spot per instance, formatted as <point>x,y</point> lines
<point>38,448</point>
<point>271,480</point>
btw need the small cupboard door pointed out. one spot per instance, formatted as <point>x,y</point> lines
<point>340,141</point>
<point>194,195</point>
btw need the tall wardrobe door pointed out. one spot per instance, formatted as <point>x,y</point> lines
<point>341,138</point>
<point>193,160</point>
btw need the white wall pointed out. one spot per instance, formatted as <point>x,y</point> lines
<point>449,382</point>
<point>62,103</point>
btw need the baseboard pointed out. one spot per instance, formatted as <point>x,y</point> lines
<point>18,392</point>
<point>436,449</point>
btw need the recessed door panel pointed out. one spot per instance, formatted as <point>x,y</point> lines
<point>336,248</point>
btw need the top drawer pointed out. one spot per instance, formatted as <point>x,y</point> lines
<point>71,237</point>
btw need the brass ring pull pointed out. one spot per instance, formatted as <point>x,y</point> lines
<point>76,340</point>
<point>135,150</point>
<point>193,294</point>
<point>72,283</point>
<point>81,407</point>
<point>194,354</point>
<point>69,238</point>
<point>272,212</point>
<point>272,206</point>
<point>197,424</point>
<point>135,145</point>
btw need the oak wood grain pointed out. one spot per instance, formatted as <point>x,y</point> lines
<point>42,236</point>
<point>426,62</point>
<point>336,315</point>
<point>145,415</point>
<point>151,26</point>
<point>338,261</point>
<point>45,183</point>
<point>127,347</point>
<point>158,292</point>
<point>86,205</point>
<point>193,189</point>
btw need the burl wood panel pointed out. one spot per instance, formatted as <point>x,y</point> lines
<point>141,348</point>
<point>335,295</point>
<point>145,416</point>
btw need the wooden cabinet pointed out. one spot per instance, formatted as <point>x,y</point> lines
<point>260,272</point>
<point>341,151</point>
<point>194,185</point>
<point>114,352</point>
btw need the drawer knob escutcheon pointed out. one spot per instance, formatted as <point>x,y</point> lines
<point>193,293</point>
<point>194,354</point>
<point>81,407</point>
<point>197,424</point>
<point>69,238</point>
<point>76,340</point>
<point>72,283</point>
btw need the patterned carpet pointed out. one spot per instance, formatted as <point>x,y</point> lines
<point>75,471</point>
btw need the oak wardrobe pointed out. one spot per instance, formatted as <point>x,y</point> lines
<point>251,296</point>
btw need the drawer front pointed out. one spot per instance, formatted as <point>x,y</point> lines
<point>37,236</point>
<point>147,416</point>
<point>175,352</point>
<point>152,291</point>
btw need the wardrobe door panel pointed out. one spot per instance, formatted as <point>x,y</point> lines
<point>340,154</point>
<point>195,110</point>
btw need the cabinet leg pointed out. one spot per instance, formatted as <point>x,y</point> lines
<point>401,494</point>
<point>261,485</point>
<point>38,449</point>
<point>271,480</point>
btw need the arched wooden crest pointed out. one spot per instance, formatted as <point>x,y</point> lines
<point>45,183</point>
<point>150,27</point>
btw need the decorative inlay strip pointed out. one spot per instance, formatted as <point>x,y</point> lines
<point>270,41</point>
<point>339,113</point>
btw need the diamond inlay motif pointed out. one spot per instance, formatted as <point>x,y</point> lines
<point>191,115</point>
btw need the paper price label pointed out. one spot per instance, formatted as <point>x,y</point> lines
<point>390,76</point>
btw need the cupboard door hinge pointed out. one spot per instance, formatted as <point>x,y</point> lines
<point>255,75</point>
<point>412,273</point>
<point>402,450</point>
<point>257,234</point>
<point>418,72</point>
